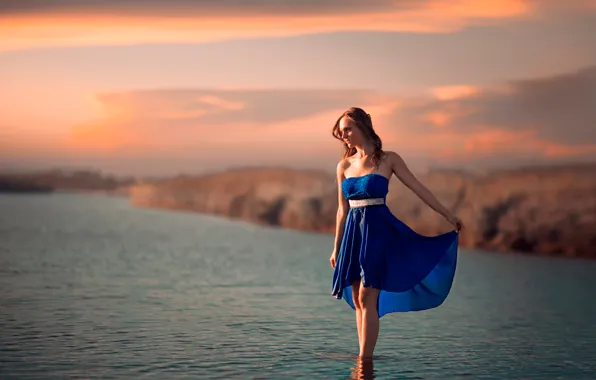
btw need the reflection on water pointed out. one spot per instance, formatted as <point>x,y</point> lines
<point>363,369</point>
<point>93,288</point>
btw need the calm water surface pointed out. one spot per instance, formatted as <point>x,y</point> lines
<point>91,287</point>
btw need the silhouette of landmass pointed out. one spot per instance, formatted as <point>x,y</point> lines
<point>539,210</point>
<point>62,180</point>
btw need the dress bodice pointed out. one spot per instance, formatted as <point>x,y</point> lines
<point>371,185</point>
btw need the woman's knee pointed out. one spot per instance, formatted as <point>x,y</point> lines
<point>356,295</point>
<point>368,298</point>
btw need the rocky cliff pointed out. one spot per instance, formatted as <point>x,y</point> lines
<point>550,211</point>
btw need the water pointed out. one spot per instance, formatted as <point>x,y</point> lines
<point>91,287</point>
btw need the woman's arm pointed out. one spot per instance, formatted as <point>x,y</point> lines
<point>342,208</point>
<point>404,174</point>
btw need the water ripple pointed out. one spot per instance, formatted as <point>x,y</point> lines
<point>92,288</point>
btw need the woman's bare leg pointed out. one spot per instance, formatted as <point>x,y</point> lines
<point>370,321</point>
<point>358,306</point>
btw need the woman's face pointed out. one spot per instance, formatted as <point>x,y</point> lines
<point>350,133</point>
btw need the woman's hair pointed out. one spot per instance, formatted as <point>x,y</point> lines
<point>364,123</point>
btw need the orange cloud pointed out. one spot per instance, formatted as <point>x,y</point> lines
<point>221,103</point>
<point>439,118</point>
<point>495,141</point>
<point>542,119</point>
<point>545,118</point>
<point>446,114</point>
<point>553,150</point>
<point>101,26</point>
<point>453,92</point>
<point>205,121</point>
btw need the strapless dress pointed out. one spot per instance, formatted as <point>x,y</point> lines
<point>413,272</point>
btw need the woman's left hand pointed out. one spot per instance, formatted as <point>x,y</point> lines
<point>457,223</point>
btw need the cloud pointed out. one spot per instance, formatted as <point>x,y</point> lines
<point>561,107</point>
<point>549,118</point>
<point>213,119</point>
<point>557,5</point>
<point>173,8</point>
<point>212,7</point>
<point>215,107</point>
<point>196,130</point>
<point>453,92</point>
<point>546,117</point>
<point>75,23</point>
<point>524,143</point>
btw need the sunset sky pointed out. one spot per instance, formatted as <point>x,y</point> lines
<point>166,87</point>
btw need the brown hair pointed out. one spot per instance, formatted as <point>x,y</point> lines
<point>364,123</point>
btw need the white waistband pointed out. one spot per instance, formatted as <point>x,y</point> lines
<point>366,202</point>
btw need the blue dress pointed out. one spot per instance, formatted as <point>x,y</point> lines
<point>413,271</point>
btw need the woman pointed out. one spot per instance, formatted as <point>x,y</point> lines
<point>380,264</point>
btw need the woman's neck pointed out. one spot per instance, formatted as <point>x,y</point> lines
<point>365,151</point>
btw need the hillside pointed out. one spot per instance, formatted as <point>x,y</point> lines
<point>533,210</point>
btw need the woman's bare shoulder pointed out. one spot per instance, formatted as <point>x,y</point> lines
<point>391,156</point>
<point>342,165</point>
<point>395,162</point>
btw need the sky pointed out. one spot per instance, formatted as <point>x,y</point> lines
<point>155,87</point>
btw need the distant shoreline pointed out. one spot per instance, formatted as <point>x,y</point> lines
<point>548,211</point>
<point>8,186</point>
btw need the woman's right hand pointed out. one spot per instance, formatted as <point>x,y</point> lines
<point>332,259</point>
